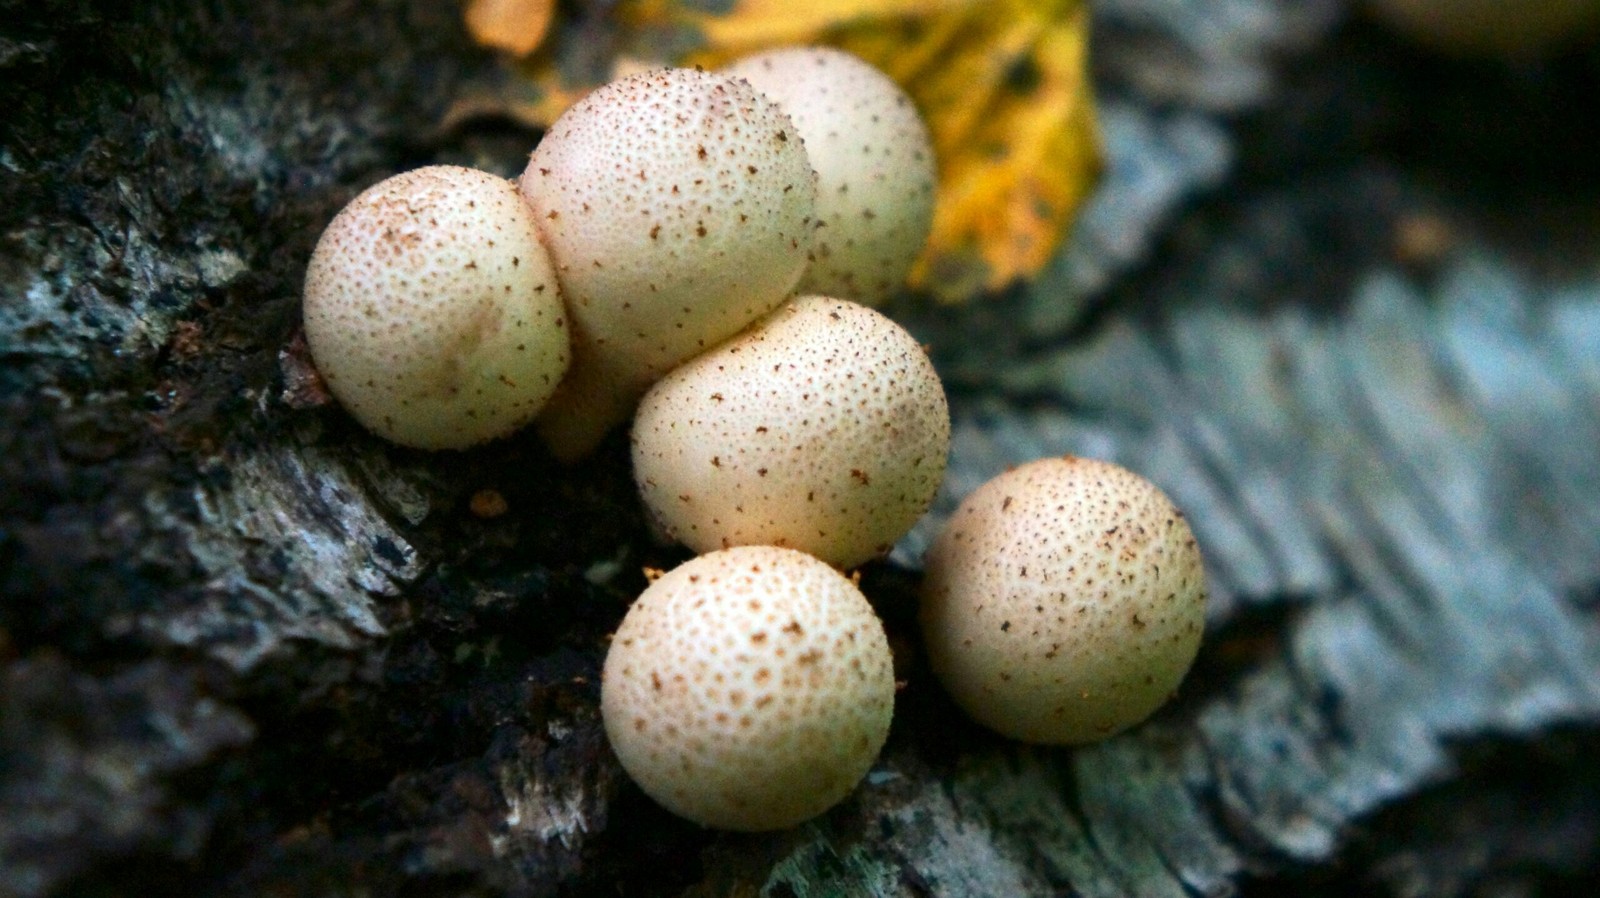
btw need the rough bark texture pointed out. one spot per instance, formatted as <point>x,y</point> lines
<point>1340,299</point>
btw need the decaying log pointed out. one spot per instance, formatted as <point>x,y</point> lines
<point>246,648</point>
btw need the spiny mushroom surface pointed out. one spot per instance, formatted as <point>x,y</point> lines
<point>749,689</point>
<point>432,310</point>
<point>823,428</point>
<point>678,207</point>
<point>1063,601</point>
<point>874,162</point>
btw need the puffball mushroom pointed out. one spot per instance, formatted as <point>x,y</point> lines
<point>678,207</point>
<point>749,689</point>
<point>1063,601</point>
<point>874,163</point>
<point>823,427</point>
<point>432,310</point>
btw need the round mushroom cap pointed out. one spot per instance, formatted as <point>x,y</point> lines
<point>432,310</point>
<point>749,689</point>
<point>823,428</point>
<point>1064,601</point>
<point>678,206</point>
<point>874,162</point>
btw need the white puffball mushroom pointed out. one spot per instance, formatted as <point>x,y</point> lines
<point>823,427</point>
<point>1064,601</point>
<point>749,689</point>
<point>1491,27</point>
<point>874,162</point>
<point>678,207</point>
<point>432,310</point>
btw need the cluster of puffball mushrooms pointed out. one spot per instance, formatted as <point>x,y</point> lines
<point>700,251</point>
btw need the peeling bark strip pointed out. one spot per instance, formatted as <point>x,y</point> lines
<point>246,648</point>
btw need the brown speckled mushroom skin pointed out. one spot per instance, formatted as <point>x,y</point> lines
<point>874,162</point>
<point>678,206</point>
<point>1064,601</point>
<point>823,428</point>
<point>432,310</point>
<point>749,689</point>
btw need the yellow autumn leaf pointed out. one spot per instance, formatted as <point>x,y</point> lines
<point>1003,85</point>
<point>517,26</point>
<point>751,25</point>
